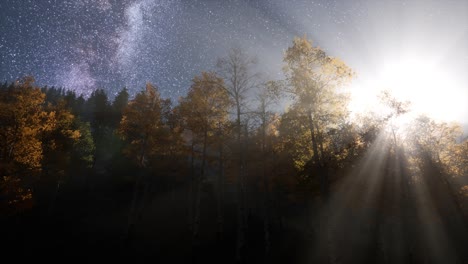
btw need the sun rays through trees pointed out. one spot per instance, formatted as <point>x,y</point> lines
<point>240,169</point>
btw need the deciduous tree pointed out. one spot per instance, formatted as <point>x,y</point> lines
<point>240,78</point>
<point>24,122</point>
<point>204,110</point>
<point>143,127</point>
<point>314,79</point>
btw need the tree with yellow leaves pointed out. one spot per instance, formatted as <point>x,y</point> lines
<point>58,146</point>
<point>142,126</point>
<point>148,136</point>
<point>438,140</point>
<point>314,80</point>
<point>26,126</point>
<point>204,110</point>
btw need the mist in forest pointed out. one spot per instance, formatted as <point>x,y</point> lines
<point>246,132</point>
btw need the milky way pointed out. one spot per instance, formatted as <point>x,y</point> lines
<point>84,44</point>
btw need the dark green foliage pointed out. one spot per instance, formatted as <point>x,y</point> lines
<point>84,148</point>
<point>120,101</point>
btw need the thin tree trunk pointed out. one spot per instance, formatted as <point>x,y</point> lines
<point>266,224</point>
<point>313,138</point>
<point>245,192</point>
<point>330,228</point>
<point>54,199</point>
<point>199,189</point>
<point>144,199</point>
<point>196,224</point>
<point>240,207</point>
<point>322,168</point>
<point>131,214</point>
<point>220,190</point>
<point>133,207</point>
<point>191,190</point>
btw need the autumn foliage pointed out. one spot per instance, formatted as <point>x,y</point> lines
<point>243,157</point>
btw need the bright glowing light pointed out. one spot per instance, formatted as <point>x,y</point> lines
<point>428,86</point>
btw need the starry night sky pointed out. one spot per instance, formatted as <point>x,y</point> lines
<point>85,44</point>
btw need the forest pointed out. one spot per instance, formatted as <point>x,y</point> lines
<point>238,170</point>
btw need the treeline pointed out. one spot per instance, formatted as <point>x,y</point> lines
<point>226,136</point>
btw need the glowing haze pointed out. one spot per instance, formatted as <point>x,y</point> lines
<point>420,55</point>
<point>416,49</point>
<point>430,89</point>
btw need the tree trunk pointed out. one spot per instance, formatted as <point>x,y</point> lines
<point>199,189</point>
<point>144,198</point>
<point>191,189</point>
<point>55,196</point>
<point>196,223</point>
<point>219,205</point>
<point>136,192</point>
<point>266,224</point>
<point>313,138</point>
<point>131,213</point>
<point>245,192</point>
<point>322,171</point>
<point>240,207</point>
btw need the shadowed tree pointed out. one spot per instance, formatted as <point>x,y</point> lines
<point>237,71</point>
<point>147,136</point>
<point>432,150</point>
<point>457,160</point>
<point>435,143</point>
<point>120,101</point>
<point>98,112</point>
<point>84,146</point>
<point>58,145</point>
<point>24,124</point>
<point>314,80</point>
<point>437,139</point>
<point>204,110</point>
<point>267,95</point>
<point>395,110</point>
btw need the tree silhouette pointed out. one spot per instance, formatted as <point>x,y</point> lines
<point>314,79</point>
<point>239,77</point>
<point>203,110</point>
<point>143,128</point>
